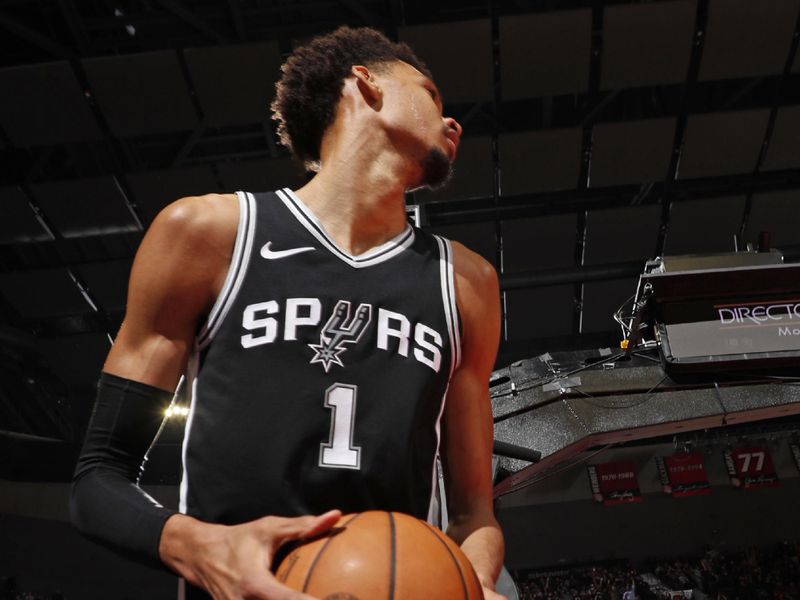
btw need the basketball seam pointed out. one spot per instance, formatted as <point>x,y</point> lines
<point>435,534</point>
<point>288,571</point>
<point>324,547</point>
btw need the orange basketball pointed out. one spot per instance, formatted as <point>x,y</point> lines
<point>378,555</point>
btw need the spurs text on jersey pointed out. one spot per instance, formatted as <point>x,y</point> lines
<point>268,322</point>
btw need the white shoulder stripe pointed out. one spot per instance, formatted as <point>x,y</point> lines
<point>447,279</point>
<point>449,301</point>
<point>236,271</point>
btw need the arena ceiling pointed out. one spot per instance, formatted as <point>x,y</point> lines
<point>597,135</point>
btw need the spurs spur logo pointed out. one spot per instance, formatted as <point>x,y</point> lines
<point>338,331</point>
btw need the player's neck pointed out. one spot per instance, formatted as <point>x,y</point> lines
<point>358,195</point>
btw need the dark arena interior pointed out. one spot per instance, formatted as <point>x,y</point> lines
<point>630,168</point>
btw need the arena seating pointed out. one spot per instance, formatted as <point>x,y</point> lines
<point>755,574</point>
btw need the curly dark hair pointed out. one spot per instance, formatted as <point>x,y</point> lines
<point>312,81</point>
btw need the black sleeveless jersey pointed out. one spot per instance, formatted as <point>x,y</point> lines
<point>318,381</point>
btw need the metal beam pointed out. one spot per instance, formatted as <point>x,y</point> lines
<point>73,20</point>
<point>271,137</point>
<point>88,322</point>
<point>362,12</point>
<point>16,341</point>
<point>188,146</point>
<point>106,247</point>
<point>34,37</point>
<point>770,129</point>
<point>593,107</point>
<point>700,26</point>
<point>238,21</point>
<point>574,275</point>
<point>83,289</point>
<point>84,251</point>
<point>103,321</point>
<point>398,14</point>
<point>68,252</point>
<point>497,89</point>
<point>179,10</point>
<point>570,201</point>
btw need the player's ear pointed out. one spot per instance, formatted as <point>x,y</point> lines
<point>367,85</point>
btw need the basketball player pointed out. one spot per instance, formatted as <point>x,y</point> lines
<point>331,349</point>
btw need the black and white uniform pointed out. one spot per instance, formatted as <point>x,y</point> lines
<point>318,381</point>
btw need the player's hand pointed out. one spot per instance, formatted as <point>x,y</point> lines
<point>490,594</point>
<point>232,562</point>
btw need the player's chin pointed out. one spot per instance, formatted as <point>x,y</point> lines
<point>436,169</point>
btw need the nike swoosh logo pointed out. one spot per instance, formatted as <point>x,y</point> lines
<point>269,254</point>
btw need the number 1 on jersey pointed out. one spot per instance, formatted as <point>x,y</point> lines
<point>338,452</point>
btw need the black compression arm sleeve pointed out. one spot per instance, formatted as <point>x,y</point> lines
<point>106,502</point>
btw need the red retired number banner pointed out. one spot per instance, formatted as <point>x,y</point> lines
<point>683,474</point>
<point>614,482</point>
<point>751,467</point>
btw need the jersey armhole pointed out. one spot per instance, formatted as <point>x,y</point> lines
<point>236,270</point>
<point>447,278</point>
<point>437,507</point>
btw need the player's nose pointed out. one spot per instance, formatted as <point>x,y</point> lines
<point>451,123</point>
<point>453,132</point>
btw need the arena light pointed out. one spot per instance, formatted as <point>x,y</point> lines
<point>179,411</point>
<point>128,27</point>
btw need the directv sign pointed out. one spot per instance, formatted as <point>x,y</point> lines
<point>736,316</point>
<point>725,329</point>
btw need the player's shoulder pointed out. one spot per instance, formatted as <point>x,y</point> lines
<point>206,211</point>
<point>478,298</point>
<point>472,267</point>
<point>207,217</point>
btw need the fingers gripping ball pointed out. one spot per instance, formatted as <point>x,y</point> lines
<point>379,555</point>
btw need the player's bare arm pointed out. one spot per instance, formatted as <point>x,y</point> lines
<point>468,430</point>
<point>170,293</point>
<point>178,272</point>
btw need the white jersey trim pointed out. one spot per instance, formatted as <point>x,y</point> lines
<point>447,277</point>
<point>435,519</point>
<point>236,270</point>
<point>375,256</point>
<point>191,379</point>
<point>447,273</point>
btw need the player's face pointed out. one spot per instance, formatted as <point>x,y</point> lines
<point>416,112</point>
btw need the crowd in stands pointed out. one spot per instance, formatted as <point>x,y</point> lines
<point>9,591</point>
<point>757,574</point>
<point>772,573</point>
<point>586,583</point>
<point>763,574</point>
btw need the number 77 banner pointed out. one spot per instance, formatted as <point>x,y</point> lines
<point>750,467</point>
